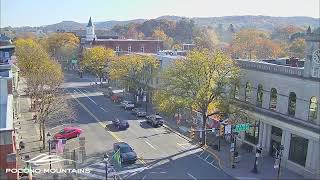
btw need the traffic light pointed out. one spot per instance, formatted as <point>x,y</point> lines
<point>221,130</point>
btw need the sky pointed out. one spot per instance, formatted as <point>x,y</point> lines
<point>43,12</point>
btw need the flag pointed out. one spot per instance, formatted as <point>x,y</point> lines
<point>116,157</point>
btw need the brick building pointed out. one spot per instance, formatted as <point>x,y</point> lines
<point>119,45</point>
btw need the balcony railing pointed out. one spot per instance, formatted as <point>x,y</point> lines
<point>272,68</point>
<point>282,117</point>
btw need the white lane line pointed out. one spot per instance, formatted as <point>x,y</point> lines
<point>103,109</point>
<point>87,96</point>
<point>212,162</point>
<point>191,176</point>
<point>150,145</point>
<point>207,157</point>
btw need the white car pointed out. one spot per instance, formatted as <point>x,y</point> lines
<point>128,105</point>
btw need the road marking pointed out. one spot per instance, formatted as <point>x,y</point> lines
<point>102,125</point>
<point>103,109</point>
<point>87,96</point>
<point>191,176</point>
<point>246,178</point>
<point>150,145</point>
<point>207,157</point>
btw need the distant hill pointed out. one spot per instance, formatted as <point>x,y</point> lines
<point>261,22</point>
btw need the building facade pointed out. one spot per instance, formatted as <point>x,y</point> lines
<point>121,46</point>
<point>283,102</point>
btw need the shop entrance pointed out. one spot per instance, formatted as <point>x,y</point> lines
<point>276,136</point>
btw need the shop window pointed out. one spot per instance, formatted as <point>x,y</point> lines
<point>248,92</point>
<point>259,95</point>
<point>313,108</point>
<point>273,99</point>
<point>298,149</point>
<point>292,104</point>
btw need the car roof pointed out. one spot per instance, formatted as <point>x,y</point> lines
<point>122,144</point>
<point>156,116</point>
<point>69,128</point>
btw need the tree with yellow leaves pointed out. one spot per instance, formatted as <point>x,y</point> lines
<point>96,60</point>
<point>161,35</point>
<point>134,71</point>
<point>200,82</point>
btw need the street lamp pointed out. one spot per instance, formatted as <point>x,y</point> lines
<point>49,141</point>
<point>105,159</point>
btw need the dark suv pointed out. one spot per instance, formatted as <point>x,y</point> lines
<point>155,120</point>
<point>120,124</point>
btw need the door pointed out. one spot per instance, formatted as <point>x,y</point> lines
<point>276,136</point>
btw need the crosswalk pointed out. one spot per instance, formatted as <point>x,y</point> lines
<point>98,171</point>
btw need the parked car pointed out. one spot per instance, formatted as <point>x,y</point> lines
<point>127,154</point>
<point>155,120</point>
<point>120,124</point>
<point>139,112</point>
<point>127,105</point>
<point>68,133</point>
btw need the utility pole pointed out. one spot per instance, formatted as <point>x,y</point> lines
<point>106,158</point>
<point>49,141</point>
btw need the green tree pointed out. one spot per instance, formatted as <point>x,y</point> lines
<point>199,82</point>
<point>96,60</point>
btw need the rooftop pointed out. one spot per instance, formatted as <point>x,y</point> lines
<point>141,40</point>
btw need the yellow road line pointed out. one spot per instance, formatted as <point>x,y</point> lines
<point>111,133</point>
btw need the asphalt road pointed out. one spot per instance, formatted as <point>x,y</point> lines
<point>162,153</point>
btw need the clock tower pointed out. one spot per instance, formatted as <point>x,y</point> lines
<point>90,35</point>
<point>312,60</point>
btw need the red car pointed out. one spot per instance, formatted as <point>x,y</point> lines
<point>68,133</point>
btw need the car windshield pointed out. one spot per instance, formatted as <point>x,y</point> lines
<point>62,131</point>
<point>125,149</point>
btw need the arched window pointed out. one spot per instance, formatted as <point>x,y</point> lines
<point>259,95</point>
<point>292,104</point>
<point>273,99</point>
<point>248,92</point>
<point>313,108</point>
<point>236,91</point>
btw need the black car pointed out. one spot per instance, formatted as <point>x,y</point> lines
<point>155,120</point>
<point>127,154</point>
<point>120,124</point>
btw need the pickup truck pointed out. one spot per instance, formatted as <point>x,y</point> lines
<point>155,120</point>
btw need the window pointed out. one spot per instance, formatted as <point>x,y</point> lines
<point>315,72</point>
<point>292,104</point>
<point>273,99</point>
<point>298,149</point>
<point>129,49</point>
<point>117,48</point>
<point>313,108</point>
<point>252,135</point>
<point>259,95</point>
<point>142,49</point>
<point>236,91</point>
<point>248,92</point>
<point>6,54</point>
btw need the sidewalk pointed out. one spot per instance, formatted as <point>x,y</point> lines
<point>28,132</point>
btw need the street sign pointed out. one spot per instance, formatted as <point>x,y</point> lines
<point>74,61</point>
<point>242,127</point>
<point>227,129</point>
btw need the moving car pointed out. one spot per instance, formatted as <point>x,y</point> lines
<point>127,154</point>
<point>139,112</point>
<point>68,133</point>
<point>155,120</point>
<point>127,105</point>
<point>120,124</point>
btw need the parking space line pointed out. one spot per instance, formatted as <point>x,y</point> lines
<point>207,157</point>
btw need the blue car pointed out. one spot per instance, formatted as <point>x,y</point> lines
<point>127,154</point>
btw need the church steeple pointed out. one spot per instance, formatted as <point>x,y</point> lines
<point>89,23</point>
<point>90,36</point>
